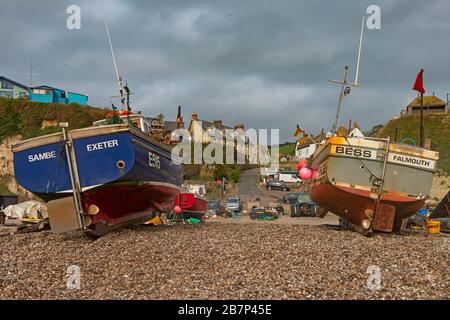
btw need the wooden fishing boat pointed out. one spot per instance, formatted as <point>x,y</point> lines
<point>192,205</point>
<point>102,177</point>
<point>371,183</point>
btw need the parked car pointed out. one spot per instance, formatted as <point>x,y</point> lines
<point>290,197</point>
<point>304,206</point>
<point>277,185</point>
<point>233,205</point>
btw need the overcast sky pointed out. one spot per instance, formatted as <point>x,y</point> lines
<point>261,62</point>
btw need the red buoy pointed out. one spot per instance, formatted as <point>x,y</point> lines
<point>302,163</point>
<point>305,173</point>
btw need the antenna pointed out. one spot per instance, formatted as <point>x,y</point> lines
<point>119,78</point>
<point>359,53</point>
<point>31,74</point>
<point>345,85</point>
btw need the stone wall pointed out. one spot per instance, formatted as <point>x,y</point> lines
<point>7,169</point>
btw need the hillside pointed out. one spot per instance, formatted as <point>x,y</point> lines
<point>29,119</point>
<point>287,148</point>
<point>437,128</point>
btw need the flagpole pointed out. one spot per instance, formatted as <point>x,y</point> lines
<point>418,86</point>
<point>421,120</point>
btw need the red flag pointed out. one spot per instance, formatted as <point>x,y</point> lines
<point>418,85</point>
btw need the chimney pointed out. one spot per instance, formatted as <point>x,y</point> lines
<point>180,120</point>
<point>194,116</point>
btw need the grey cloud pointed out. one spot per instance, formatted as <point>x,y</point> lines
<point>264,63</point>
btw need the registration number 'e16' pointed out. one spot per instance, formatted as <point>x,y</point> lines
<point>153,160</point>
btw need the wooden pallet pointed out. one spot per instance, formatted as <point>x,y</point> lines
<point>10,228</point>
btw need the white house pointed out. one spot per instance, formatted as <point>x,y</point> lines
<point>356,133</point>
<point>305,151</point>
<point>207,131</point>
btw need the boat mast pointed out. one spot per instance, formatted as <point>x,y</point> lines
<point>345,86</point>
<point>341,97</point>
<point>119,78</point>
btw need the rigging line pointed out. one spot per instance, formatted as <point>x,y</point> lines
<point>363,164</point>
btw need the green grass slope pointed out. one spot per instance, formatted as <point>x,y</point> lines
<point>287,148</point>
<point>26,118</point>
<point>31,119</point>
<point>436,128</point>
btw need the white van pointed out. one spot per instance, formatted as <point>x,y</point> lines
<point>289,177</point>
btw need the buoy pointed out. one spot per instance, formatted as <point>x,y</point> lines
<point>305,173</point>
<point>315,174</point>
<point>177,209</point>
<point>87,221</point>
<point>93,210</point>
<point>301,164</point>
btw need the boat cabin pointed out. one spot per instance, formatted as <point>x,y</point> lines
<point>137,120</point>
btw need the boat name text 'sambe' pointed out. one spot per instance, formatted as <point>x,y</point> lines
<point>42,156</point>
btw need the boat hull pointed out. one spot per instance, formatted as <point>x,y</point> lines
<point>121,170</point>
<point>350,176</point>
<point>192,205</point>
<point>119,203</point>
<point>355,205</point>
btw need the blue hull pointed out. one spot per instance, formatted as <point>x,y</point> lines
<point>102,159</point>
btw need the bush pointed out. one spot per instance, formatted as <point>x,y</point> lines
<point>230,172</point>
<point>25,118</point>
<point>10,122</point>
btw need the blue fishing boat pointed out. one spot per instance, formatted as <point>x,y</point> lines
<point>101,177</point>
